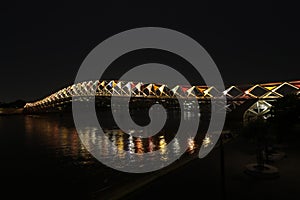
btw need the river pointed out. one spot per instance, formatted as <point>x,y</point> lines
<point>43,156</point>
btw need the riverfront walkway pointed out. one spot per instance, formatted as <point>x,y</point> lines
<point>200,178</point>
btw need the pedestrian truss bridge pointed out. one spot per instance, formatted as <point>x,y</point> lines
<point>261,94</point>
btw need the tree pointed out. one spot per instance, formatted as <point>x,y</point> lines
<point>285,114</point>
<point>258,132</point>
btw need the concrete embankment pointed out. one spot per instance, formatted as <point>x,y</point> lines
<point>11,111</point>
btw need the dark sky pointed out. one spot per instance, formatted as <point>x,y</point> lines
<point>42,46</point>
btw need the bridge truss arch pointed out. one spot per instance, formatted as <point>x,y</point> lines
<point>265,94</point>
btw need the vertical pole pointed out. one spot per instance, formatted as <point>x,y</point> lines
<point>223,189</point>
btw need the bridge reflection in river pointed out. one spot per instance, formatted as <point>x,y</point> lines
<point>46,150</point>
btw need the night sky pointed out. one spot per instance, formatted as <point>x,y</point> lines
<point>43,46</point>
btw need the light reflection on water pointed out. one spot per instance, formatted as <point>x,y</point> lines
<point>60,136</point>
<point>117,144</point>
<point>56,139</point>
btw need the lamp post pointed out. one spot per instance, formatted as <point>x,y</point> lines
<point>222,167</point>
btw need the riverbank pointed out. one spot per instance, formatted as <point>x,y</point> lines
<point>123,189</point>
<point>201,178</point>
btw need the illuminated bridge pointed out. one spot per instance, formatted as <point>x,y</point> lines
<point>262,95</point>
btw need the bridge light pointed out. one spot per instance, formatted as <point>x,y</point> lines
<point>206,141</point>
